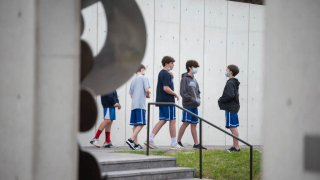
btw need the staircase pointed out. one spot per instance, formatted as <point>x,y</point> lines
<point>120,166</point>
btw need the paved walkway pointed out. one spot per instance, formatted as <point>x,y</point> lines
<point>160,148</point>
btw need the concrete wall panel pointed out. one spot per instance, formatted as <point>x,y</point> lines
<point>255,73</point>
<point>214,68</point>
<point>191,46</point>
<point>90,26</point>
<point>237,53</point>
<point>17,86</point>
<point>166,43</point>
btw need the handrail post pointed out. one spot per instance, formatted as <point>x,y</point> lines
<point>200,150</point>
<point>148,131</point>
<point>251,162</point>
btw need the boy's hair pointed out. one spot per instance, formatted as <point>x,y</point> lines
<point>167,60</point>
<point>140,68</point>
<point>191,63</point>
<point>234,69</point>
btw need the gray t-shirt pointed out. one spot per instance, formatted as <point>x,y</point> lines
<point>138,86</point>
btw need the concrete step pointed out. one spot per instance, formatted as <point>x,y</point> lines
<point>151,174</point>
<point>119,161</point>
<point>143,162</point>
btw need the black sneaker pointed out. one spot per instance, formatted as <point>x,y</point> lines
<point>233,149</point>
<point>138,147</point>
<point>130,143</point>
<point>107,145</point>
<point>180,144</point>
<point>197,146</point>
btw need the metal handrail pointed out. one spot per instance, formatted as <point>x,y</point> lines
<point>200,133</point>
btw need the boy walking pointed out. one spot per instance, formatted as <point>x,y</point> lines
<point>165,93</point>
<point>190,93</point>
<point>229,101</point>
<point>139,91</point>
<point>109,103</point>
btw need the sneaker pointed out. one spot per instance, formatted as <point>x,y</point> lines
<point>107,145</point>
<point>95,142</point>
<point>151,145</point>
<point>130,144</point>
<point>197,146</point>
<point>180,144</point>
<point>138,147</point>
<point>176,147</point>
<point>233,149</point>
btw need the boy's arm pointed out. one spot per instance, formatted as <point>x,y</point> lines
<point>147,88</point>
<point>166,81</point>
<point>228,93</point>
<point>116,100</point>
<point>183,91</point>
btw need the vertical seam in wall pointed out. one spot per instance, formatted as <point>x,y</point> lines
<point>203,54</point>
<point>154,56</point>
<point>125,111</point>
<point>179,78</point>
<point>248,74</point>
<point>97,26</point>
<point>36,127</point>
<point>227,29</point>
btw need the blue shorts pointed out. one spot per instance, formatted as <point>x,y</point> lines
<point>109,113</point>
<point>232,120</point>
<point>167,113</point>
<point>138,117</point>
<point>187,117</point>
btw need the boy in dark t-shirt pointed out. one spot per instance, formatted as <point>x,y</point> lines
<point>109,103</point>
<point>165,93</point>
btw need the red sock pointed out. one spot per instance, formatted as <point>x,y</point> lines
<point>98,134</point>
<point>108,137</point>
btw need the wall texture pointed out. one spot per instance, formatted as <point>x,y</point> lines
<point>213,32</point>
<point>39,89</point>
<point>291,116</point>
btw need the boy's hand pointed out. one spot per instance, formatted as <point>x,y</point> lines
<point>148,94</point>
<point>117,105</point>
<point>176,96</point>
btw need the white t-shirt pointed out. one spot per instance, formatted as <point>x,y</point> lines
<point>138,86</point>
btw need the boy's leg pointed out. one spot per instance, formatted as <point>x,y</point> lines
<point>100,129</point>
<point>104,124</point>
<point>108,131</point>
<point>235,132</point>
<point>156,129</point>
<point>182,130</point>
<point>136,131</point>
<point>172,128</point>
<point>194,133</point>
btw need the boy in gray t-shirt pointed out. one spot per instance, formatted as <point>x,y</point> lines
<point>139,91</point>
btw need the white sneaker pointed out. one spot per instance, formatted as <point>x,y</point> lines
<point>95,142</point>
<point>176,147</point>
<point>151,145</point>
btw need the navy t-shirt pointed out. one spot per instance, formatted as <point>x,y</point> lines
<point>164,79</point>
<point>109,100</point>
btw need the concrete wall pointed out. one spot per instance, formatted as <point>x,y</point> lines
<point>213,32</point>
<point>39,89</point>
<point>292,111</point>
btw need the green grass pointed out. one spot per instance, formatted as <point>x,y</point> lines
<point>217,164</point>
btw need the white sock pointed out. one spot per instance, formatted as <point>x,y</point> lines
<point>173,141</point>
<point>151,137</point>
